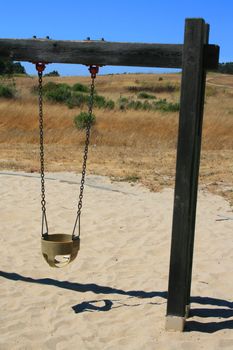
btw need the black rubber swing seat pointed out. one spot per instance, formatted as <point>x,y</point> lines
<point>59,249</point>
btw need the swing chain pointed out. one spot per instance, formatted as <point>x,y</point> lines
<point>40,68</point>
<point>93,70</point>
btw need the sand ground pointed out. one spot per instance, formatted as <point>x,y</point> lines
<point>113,296</point>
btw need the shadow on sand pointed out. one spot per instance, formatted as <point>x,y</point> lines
<point>223,308</point>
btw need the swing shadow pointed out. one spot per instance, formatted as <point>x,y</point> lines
<point>81,287</point>
<point>224,308</point>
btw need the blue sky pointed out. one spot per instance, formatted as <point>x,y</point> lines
<point>115,20</point>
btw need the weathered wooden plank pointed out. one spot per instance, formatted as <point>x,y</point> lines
<point>195,174</point>
<point>211,56</point>
<point>188,152</point>
<point>92,52</point>
<point>99,52</point>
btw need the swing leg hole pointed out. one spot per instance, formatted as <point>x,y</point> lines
<point>59,249</point>
<point>58,261</point>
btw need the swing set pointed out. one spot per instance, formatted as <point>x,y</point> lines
<point>195,57</point>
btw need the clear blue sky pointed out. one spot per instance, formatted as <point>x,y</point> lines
<point>115,20</point>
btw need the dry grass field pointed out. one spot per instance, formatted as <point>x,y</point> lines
<point>130,145</point>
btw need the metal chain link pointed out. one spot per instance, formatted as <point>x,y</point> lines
<point>41,128</point>
<point>88,129</point>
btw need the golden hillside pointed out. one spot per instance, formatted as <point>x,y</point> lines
<point>128,145</point>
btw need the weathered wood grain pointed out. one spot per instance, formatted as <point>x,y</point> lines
<point>100,53</point>
<point>195,174</point>
<point>187,167</point>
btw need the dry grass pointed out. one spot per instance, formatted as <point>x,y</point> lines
<point>124,145</point>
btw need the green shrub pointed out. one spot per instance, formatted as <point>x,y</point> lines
<point>130,178</point>
<point>165,106</point>
<point>146,106</point>
<point>123,100</point>
<point>157,88</point>
<point>122,107</point>
<point>99,101</point>
<point>54,73</point>
<point>57,92</point>
<point>110,104</point>
<point>144,94</point>
<point>46,87</point>
<point>173,107</point>
<point>162,105</point>
<point>122,103</point>
<point>6,91</point>
<point>77,100</point>
<point>80,88</point>
<point>54,91</point>
<point>74,96</point>
<point>8,67</point>
<point>83,119</point>
<point>135,105</point>
<point>50,86</point>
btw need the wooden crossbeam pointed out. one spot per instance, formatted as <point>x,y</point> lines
<point>101,53</point>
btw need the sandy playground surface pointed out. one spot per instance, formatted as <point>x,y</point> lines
<point>113,296</point>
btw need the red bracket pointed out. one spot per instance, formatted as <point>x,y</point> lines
<point>93,70</point>
<point>40,67</point>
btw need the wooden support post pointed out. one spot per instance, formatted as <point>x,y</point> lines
<point>187,169</point>
<point>196,174</point>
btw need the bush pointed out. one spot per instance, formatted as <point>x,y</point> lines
<point>110,104</point>
<point>6,91</point>
<point>83,119</point>
<point>162,105</point>
<point>146,106</point>
<point>77,100</point>
<point>57,92</point>
<point>50,86</point>
<point>122,103</point>
<point>72,96</point>
<point>157,88</point>
<point>135,105</point>
<point>99,101</point>
<point>226,68</point>
<point>146,95</point>
<point>54,73</point>
<point>165,106</point>
<point>123,100</point>
<point>173,107</point>
<point>80,88</point>
<point>8,67</point>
